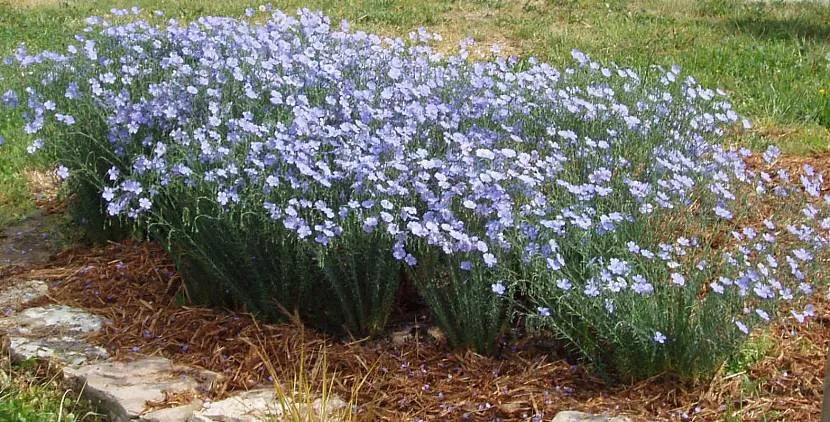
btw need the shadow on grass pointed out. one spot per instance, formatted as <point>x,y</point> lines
<point>782,28</point>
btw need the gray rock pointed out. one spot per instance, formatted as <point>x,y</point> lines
<point>573,416</point>
<point>264,404</point>
<point>22,291</point>
<point>122,389</point>
<point>52,319</point>
<point>52,332</point>
<point>331,407</point>
<point>249,406</point>
<point>65,350</point>
<point>172,414</point>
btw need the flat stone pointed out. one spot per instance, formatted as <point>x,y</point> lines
<point>65,350</point>
<point>249,406</point>
<point>573,416</point>
<point>122,389</point>
<point>263,404</point>
<point>52,319</point>
<point>52,332</point>
<point>20,292</point>
<point>172,414</point>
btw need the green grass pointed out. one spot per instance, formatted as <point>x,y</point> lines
<point>773,57</point>
<point>752,352</point>
<point>27,394</point>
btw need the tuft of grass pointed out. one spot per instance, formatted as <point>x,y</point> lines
<point>309,395</point>
<point>31,394</point>
<point>751,352</point>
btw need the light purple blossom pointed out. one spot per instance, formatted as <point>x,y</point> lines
<point>741,326</point>
<point>62,172</point>
<point>498,288</point>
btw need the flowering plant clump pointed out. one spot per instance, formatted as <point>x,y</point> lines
<point>293,164</point>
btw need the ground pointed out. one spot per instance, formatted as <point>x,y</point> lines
<point>773,58</point>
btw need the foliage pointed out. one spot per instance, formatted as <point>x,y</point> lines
<point>293,165</point>
<point>29,395</point>
<point>751,352</point>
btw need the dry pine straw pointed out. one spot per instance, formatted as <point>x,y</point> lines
<point>134,286</point>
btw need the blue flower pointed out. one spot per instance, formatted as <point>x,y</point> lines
<point>489,259</point>
<point>62,172</point>
<point>498,288</point>
<point>35,146</point>
<point>659,337</point>
<point>741,326</point>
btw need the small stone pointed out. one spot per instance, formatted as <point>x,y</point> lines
<point>122,389</point>
<point>573,416</point>
<point>328,407</point>
<point>52,332</point>
<point>27,236</point>
<point>172,414</point>
<point>436,334</point>
<point>249,406</point>
<point>22,291</point>
<point>401,337</point>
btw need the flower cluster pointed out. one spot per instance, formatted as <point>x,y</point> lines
<point>595,187</point>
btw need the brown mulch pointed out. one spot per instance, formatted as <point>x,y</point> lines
<point>794,164</point>
<point>136,287</point>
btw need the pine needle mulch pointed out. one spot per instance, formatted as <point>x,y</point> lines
<point>136,288</point>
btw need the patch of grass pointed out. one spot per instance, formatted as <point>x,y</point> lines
<point>790,138</point>
<point>15,200</point>
<point>27,394</point>
<point>752,352</point>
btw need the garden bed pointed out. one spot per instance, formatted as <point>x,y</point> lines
<point>293,169</point>
<point>134,286</point>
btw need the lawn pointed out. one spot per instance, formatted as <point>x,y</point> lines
<point>774,58</point>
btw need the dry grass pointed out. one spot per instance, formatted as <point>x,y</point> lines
<point>43,185</point>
